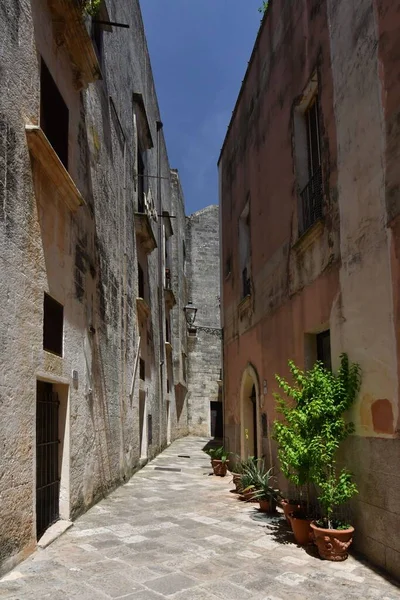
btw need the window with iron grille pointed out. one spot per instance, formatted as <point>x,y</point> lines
<point>142,180</point>
<point>53,322</point>
<point>311,195</point>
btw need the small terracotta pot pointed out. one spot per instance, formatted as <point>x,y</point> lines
<point>266,506</point>
<point>219,467</point>
<point>289,508</point>
<point>247,496</point>
<point>301,529</point>
<point>236,480</point>
<point>332,544</point>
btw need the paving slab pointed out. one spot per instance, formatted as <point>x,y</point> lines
<point>182,534</point>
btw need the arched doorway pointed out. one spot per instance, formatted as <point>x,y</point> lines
<point>249,413</point>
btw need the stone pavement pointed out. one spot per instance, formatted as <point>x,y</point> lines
<point>173,531</point>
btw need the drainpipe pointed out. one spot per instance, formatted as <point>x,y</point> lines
<point>160,283</point>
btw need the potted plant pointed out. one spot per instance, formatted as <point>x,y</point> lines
<point>295,451</point>
<point>332,535</point>
<point>265,493</point>
<point>219,460</point>
<point>239,467</point>
<point>249,479</point>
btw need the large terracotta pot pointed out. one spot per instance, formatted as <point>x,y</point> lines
<point>301,529</point>
<point>289,508</point>
<point>219,467</point>
<point>266,506</point>
<point>332,544</point>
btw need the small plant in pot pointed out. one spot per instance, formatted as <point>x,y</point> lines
<point>252,468</point>
<point>219,460</point>
<point>238,468</point>
<point>265,493</point>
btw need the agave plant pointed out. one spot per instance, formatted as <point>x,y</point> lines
<point>263,488</point>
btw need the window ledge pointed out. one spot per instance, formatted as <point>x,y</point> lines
<point>71,31</point>
<point>245,305</point>
<point>41,149</point>
<point>144,232</point>
<point>306,239</point>
<point>143,308</point>
<point>170,299</point>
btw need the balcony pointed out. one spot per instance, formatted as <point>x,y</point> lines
<point>169,295</point>
<point>71,32</point>
<point>44,154</point>
<point>312,201</point>
<point>144,232</point>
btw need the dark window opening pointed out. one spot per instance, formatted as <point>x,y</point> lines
<point>150,429</point>
<point>53,320</point>
<point>140,281</point>
<point>97,38</point>
<point>167,386</point>
<point>246,284</point>
<point>142,181</point>
<point>168,284</point>
<point>312,195</point>
<point>142,369</point>
<point>184,367</point>
<point>324,349</point>
<point>228,266</point>
<point>167,331</point>
<point>54,115</point>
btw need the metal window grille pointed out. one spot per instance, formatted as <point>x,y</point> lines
<point>47,448</point>
<point>311,200</point>
<point>168,283</point>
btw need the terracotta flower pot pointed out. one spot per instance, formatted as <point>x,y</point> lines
<point>289,508</point>
<point>236,480</point>
<point>219,467</point>
<point>301,529</point>
<point>266,506</point>
<point>332,544</point>
<point>247,496</point>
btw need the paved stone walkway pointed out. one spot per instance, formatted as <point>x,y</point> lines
<point>173,531</point>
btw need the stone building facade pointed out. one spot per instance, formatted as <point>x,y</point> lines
<point>92,330</point>
<point>204,348</point>
<point>310,204</point>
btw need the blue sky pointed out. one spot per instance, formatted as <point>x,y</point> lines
<point>199,52</point>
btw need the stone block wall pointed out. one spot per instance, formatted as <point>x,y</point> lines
<point>205,358</point>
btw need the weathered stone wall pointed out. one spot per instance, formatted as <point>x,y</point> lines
<point>202,232</point>
<point>341,275</point>
<point>86,260</point>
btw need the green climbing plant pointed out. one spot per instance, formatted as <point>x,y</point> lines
<point>313,428</point>
<point>263,8</point>
<point>91,7</point>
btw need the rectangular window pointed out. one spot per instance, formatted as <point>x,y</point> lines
<point>184,366</point>
<point>167,331</point>
<point>53,322</point>
<point>140,281</point>
<point>167,386</point>
<point>142,369</point>
<point>311,195</point>
<point>245,250</point>
<point>97,39</point>
<point>324,348</point>
<point>143,186</point>
<point>54,115</point>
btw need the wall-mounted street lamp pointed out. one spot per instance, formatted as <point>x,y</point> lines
<point>190,314</point>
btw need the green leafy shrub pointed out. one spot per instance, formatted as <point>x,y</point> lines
<point>314,427</point>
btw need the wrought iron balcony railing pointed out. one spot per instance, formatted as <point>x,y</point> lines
<point>312,200</point>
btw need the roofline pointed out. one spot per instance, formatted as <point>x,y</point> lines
<point>249,65</point>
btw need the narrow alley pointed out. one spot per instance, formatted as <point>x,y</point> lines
<point>174,531</point>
